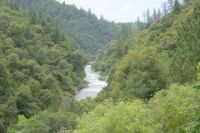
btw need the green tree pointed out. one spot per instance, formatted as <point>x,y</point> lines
<point>36,127</point>
<point>172,110</point>
<point>88,32</point>
<point>4,78</point>
<point>159,14</point>
<point>155,14</point>
<point>177,6</point>
<point>11,111</point>
<point>140,74</point>
<point>50,122</point>
<point>176,110</point>
<point>185,58</point>
<point>148,16</point>
<point>25,103</point>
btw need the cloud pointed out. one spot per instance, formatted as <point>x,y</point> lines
<point>99,8</point>
<point>125,8</point>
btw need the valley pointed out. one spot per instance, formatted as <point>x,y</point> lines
<point>49,84</point>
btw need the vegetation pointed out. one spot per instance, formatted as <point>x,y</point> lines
<point>152,80</point>
<point>38,66</point>
<point>115,50</point>
<point>140,74</point>
<point>153,70</point>
<point>165,52</point>
<point>86,30</point>
<point>172,110</point>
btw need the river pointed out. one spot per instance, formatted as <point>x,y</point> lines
<point>95,85</point>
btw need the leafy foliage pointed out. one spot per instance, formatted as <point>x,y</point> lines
<point>37,68</point>
<point>186,55</point>
<point>47,122</point>
<point>86,30</point>
<point>154,72</point>
<point>109,55</point>
<point>140,74</point>
<point>131,66</point>
<point>173,110</point>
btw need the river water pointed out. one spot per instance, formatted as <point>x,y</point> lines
<point>95,85</point>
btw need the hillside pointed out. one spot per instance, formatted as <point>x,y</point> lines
<point>153,70</point>
<point>115,50</point>
<point>38,66</point>
<point>162,44</point>
<point>154,87</point>
<point>88,32</point>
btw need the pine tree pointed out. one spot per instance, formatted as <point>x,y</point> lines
<point>186,56</point>
<point>124,32</point>
<point>33,17</point>
<point>154,14</point>
<point>164,7</point>
<point>139,24</point>
<point>159,13</point>
<point>177,7</point>
<point>148,16</point>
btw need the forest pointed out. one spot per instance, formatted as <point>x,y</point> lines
<point>81,26</point>
<point>152,67</point>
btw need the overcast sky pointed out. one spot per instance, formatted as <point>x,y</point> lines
<point>117,10</point>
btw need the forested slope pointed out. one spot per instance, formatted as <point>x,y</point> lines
<point>164,53</point>
<point>39,68</point>
<point>88,32</point>
<point>154,88</point>
<point>153,75</point>
<point>110,54</point>
<point>167,48</point>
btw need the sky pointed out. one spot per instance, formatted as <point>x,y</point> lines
<point>117,10</point>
